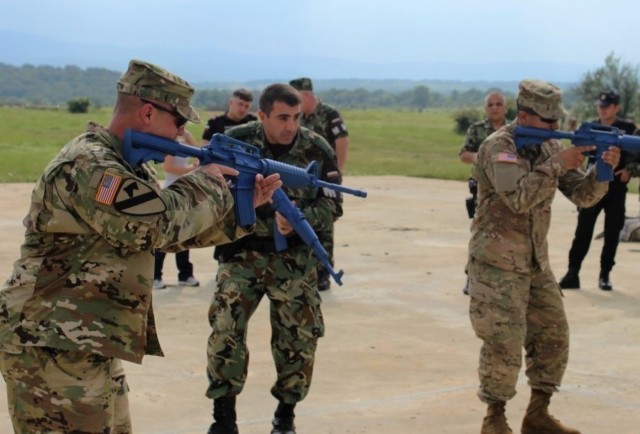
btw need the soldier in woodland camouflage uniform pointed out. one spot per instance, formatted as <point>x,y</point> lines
<point>515,300</point>
<point>326,121</point>
<point>79,297</point>
<point>495,107</point>
<point>252,268</point>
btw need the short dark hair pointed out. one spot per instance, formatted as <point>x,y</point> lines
<point>243,94</point>
<point>278,92</point>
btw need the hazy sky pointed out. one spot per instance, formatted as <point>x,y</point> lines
<point>374,31</point>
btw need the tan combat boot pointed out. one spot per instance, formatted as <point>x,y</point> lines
<point>537,420</point>
<point>495,422</point>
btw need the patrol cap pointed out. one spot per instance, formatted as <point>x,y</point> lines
<point>607,98</point>
<point>541,97</point>
<point>146,80</point>
<point>302,83</point>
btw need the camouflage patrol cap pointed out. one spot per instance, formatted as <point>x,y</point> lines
<point>302,83</point>
<point>541,97</point>
<point>150,81</point>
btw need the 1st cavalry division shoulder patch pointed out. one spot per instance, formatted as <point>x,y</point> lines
<point>137,198</point>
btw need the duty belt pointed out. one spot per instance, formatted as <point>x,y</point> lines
<point>267,244</point>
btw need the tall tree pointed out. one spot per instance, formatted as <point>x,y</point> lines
<point>614,75</point>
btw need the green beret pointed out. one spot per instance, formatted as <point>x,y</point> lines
<point>150,81</point>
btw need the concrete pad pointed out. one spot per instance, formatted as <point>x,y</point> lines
<point>399,355</point>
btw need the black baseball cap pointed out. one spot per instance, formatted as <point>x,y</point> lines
<point>607,98</point>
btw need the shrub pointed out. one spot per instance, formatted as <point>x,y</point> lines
<point>79,105</point>
<point>464,118</point>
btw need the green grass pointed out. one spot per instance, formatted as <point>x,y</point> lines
<point>420,144</point>
<point>381,142</point>
<point>29,138</point>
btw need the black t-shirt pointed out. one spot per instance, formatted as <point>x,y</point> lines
<point>220,124</point>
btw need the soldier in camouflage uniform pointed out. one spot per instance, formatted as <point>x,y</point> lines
<point>495,107</point>
<point>515,299</point>
<point>79,298</point>
<point>326,121</point>
<point>252,268</point>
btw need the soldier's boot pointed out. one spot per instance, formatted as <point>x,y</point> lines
<point>283,419</point>
<point>571,280</point>
<point>224,416</point>
<point>537,419</point>
<point>495,422</point>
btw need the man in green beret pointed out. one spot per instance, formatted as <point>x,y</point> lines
<point>79,298</point>
<point>325,120</point>
<point>515,300</point>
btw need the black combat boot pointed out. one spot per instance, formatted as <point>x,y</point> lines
<point>603,282</point>
<point>224,415</point>
<point>283,419</point>
<point>571,280</point>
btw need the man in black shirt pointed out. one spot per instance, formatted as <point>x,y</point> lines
<point>613,204</point>
<point>237,114</point>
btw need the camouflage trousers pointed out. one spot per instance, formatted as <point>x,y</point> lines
<point>511,311</point>
<point>289,281</point>
<point>52,391</point>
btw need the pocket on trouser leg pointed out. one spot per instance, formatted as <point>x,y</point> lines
<point>81,387</point>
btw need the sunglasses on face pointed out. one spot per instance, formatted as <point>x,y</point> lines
<point>549,121</point>
<point>178,118</point>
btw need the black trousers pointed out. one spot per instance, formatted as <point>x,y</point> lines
<point>185,268</point>
<point>613,204</point>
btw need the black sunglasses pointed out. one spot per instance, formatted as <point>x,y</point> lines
<point>549,121</point>
<point>179,119</point>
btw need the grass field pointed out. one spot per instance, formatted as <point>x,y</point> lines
<point>381,142</point>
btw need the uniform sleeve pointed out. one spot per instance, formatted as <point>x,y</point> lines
<point>335,125</point>
<point>470,140</point>
<point>519,187</point>
<point>207,134</point>
<point>133,214</point>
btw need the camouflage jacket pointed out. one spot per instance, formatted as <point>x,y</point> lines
<point>83,281</point>
<point>326,121</point>
<point>319,206</point>
<point>515,192</point>
<point>476,133</point>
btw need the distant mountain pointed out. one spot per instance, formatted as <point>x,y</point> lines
<point>205,66</point>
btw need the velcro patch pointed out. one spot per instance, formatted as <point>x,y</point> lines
<point>107,189</point>
<point>506,157</point>
<point>137,198</point>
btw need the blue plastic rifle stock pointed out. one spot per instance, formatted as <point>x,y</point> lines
<point>297,220</point>
<point>589,134</point>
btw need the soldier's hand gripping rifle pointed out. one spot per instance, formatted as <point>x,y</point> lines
<point>589,134</point>
<point>140,147</point>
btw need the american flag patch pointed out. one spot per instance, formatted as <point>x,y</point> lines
<point>108,188</point>
<point>507,157</point>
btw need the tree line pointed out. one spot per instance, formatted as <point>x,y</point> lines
<point>54,86</point>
